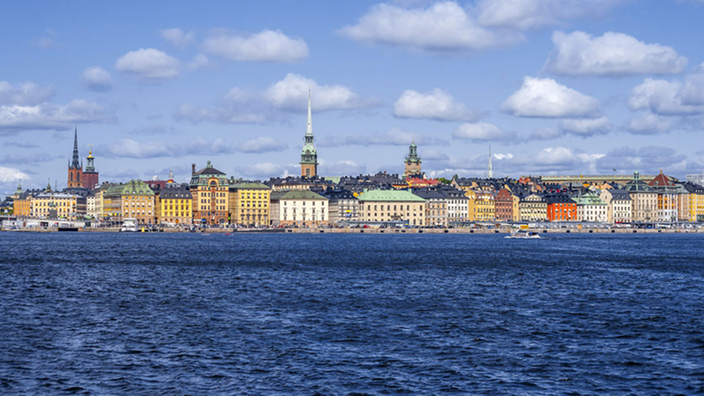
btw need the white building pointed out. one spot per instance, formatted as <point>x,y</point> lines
<point>591,208</point>
<point>299,208</point>
<point>619,206</point>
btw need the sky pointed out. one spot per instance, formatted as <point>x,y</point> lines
<point>552,86</point>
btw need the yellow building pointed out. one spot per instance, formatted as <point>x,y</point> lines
<point>471,204</point>
<point>210,189</point>
<point>516,203</point>
<point>392,205</point>
<point>695,202</point>
<point>485,209</point>
<point>174,204</point>
<point>51,205</point>
<point>250,204</point>
<point>132,200</point>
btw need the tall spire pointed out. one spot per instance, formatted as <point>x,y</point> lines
<point>309,129</point>
<point>74,163</point>
<point>490,171</point>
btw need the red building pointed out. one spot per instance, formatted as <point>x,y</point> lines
<point>503,205</point>
<point>75,169</point>
<point>91,178</point>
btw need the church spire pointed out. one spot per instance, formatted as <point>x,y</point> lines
<point>309,129</point>
<point>490,170</point>
<point>74,163</point>
<point>309,155</point>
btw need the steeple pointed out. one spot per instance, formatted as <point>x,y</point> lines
<point>309,155</point>
<point>74,163</point>
<point>18,192</point>
<point>490,170</point>
<point>412,162</point>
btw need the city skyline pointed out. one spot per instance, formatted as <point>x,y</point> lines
<point>554,87</point>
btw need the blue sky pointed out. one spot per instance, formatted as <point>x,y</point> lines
<point>555,86</point>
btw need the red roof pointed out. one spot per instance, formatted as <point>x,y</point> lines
<point>416,181</point>
<point>661,181</point>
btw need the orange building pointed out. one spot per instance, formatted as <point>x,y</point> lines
<point>561,207</point>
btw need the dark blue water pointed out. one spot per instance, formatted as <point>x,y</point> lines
<point>340,314</point>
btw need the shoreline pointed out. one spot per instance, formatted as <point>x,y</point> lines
<point>391,231</point>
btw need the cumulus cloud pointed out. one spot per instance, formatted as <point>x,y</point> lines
<point>441,27</point>
<point>649,159</point>
<point>8,174</point>
<point>291,93</point>
<point>435,105</point>
<point>481,131</point>
<point>47,115</point>
<point>665,97</point>
<point>177,37</point>
<point>613,54</point>
<point>262,145</point>
<point>148,64</point>
<point>547,133</point>
<point>649,124</point>
<point>394,137</point>
<point>265,46</point>
<point>25,94</point>
<point>586,127</point>
<point>535,14</point>
<point>97,79</point>
<point>544,97</point>
<point>199,61</point>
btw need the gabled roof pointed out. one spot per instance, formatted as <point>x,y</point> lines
<point>661,181</point>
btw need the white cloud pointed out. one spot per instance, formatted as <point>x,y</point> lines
<point>482,131</point>
<point>435,105</point>
<point>650,124</point>
<point>663,97</point>
<point>148,64</point>
<point>263,170</point>
<point>586,127</point>
<point>11,174</point>
<point>262,145</point>
<point>24,94</point>
<point>613,54</point>
<point>50,115</point>
<point>394,137</point>
<point>342,167</point>
<point>177,37</point>
<point>649,159</point>
<point>128,148</point>
<point>692,91</point>
<point>291,93</point>
<point>546,98</point>
<point>265,46</point>
<point>97,79</point>
<point>441,27</point>
<point>199,61</point>
<point>535,14</point>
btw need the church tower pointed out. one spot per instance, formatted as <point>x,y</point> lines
<point>412,162</point>
<point>91,178</point>
<point>309,156</point>
<point>75,169</point>
<point>490,169</point>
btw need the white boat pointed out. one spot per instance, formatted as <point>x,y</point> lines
<point>523,234</point>
<point>129,225</point>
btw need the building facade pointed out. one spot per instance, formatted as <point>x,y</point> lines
<point>343,205</point>
<point>533,207</point>
<point>591,208</point>
<point>299,208</point>
<point>561,207</point>
<point>392,205</point>
<point>619,206</point>
<point>435,207</point>
<point>209,188</point>
<point>250,204</point>
<point>411,165</point>
<point>174,204</point>
<point>504,205</point>
<point>644,200</point>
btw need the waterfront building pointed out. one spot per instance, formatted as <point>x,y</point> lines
<point>91,178</point>
<point>22,206</point>
<point>299,208</point>
<point>174,204</point>
<point>132,200</point>
<point>533,207</point>
<point>504,205</point>
<point>667,196</point>
<point>209,188</point>
<point>90,205</point>
<point>471,204</point>
<point>411,167</point>
<point>561,207</point>
<point>515,207</point>
<point>309,155</point>
<point>435,207</point>
<point>644,206</point>
<point>591,208</point>
<point>75,169</point>
<point>619,205</point>
<point>457,204</point>
<point>343,205</point>
<point>249,203</point>
<point>57,205</point>
<point>695,209</point>
<point>100,210</point>
<point>485,205</point>
<point>392,205</point>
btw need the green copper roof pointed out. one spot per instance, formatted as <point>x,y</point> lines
<point>132,187</point>
<point>589,198</point>
<point>390,196</point>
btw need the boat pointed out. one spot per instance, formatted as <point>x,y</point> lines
<point>129,225</point>
<point>523,234</point>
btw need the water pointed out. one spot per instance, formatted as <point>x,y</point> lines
<point>342,314</point>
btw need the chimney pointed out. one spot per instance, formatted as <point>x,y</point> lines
<point>193,169</point>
